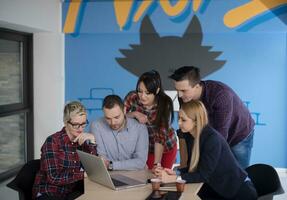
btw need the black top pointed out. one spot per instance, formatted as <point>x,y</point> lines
<point>217,166</point>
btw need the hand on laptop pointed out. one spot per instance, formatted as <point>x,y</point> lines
<point>107,162</point>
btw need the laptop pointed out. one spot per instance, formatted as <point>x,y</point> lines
<point>97,172</point>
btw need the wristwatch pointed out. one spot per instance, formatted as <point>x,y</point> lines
<point>110,168</point>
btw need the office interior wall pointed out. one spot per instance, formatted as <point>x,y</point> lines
<point>254,52</point>
<point>43,19</point>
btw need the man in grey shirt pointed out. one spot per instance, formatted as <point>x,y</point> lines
<point>121,141</point>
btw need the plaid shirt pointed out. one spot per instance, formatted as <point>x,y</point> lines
<point>226,112</point>
<point>60,165</point>
<point>165,137</point>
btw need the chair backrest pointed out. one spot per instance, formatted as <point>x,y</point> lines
<point>77,191</point>
<point>265,179</point>
<point>24,180</point>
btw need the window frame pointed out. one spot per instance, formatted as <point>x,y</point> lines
<point>26,106</point>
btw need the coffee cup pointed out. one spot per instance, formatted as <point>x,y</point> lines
<point>180,185</point>
<point>155,182</point>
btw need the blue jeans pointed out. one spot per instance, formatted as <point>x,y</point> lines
<point>242,150</point>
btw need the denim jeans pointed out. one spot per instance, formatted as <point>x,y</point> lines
<point>242,150</point>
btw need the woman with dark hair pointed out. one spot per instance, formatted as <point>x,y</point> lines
<point>151,106</point>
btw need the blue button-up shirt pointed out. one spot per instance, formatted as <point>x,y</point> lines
<point>127,148</point>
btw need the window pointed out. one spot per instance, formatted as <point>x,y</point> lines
<point>16,101</point>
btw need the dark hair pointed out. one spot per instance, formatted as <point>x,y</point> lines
<point>190,73</point>
<point>111,100</point>
<point>152,82</point>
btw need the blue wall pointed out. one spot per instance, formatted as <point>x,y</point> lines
<point>255,55</point>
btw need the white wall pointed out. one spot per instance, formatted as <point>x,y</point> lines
<point>48,86</point>
<point>42,15</point>
<point>43,19</point>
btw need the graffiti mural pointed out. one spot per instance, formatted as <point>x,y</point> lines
<point>242,43</point>
<point>132,10</point>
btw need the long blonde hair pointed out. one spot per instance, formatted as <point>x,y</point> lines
<point>196,111</point>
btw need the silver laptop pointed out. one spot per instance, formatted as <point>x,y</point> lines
<point>97,172</point>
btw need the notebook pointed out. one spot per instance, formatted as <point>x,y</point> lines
<point>164,195</point>
<point>97,172</point>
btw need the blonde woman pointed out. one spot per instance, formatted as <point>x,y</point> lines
<point>60,166</point>
<point>209,158</point>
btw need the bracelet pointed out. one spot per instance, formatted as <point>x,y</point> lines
<point>90,142</point>
<point>157,164</point>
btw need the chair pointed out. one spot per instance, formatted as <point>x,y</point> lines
<point>24,181</point>
<point>78,190</point>
<point>265,180</point>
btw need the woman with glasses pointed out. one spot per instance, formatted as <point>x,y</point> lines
<point>60,166</point>
<point>208,159</point>
<point>151,106</point>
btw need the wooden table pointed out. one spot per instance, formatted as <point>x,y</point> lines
<point>96,191</point>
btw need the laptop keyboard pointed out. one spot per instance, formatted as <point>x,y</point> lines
<point>118,183</point>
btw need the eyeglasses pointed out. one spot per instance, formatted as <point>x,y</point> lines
<point>77,126</point>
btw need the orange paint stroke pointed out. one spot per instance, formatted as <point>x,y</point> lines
<point>122,11</point>
<point>173,10</point>
<point>72,15</point>
<point>196,4</point>
<point>142,8</point>
<point>245,12</point>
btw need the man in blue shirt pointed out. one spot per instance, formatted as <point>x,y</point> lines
<point>121,141</point>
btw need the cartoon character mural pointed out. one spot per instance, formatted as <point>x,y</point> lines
<point>166,54</point>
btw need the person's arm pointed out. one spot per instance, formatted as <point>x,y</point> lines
<point>158,151</point>
<point>101,150</point>
<point>90,145</point>
<point>142,118</point>
<point>222,113</point>
<point>209,156</point>
<point>130,103</point>
<point>59,170</point>
<point>139,157</point>
<point>131,114</point>
<point>160,137</point>
<point>129,100</point>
